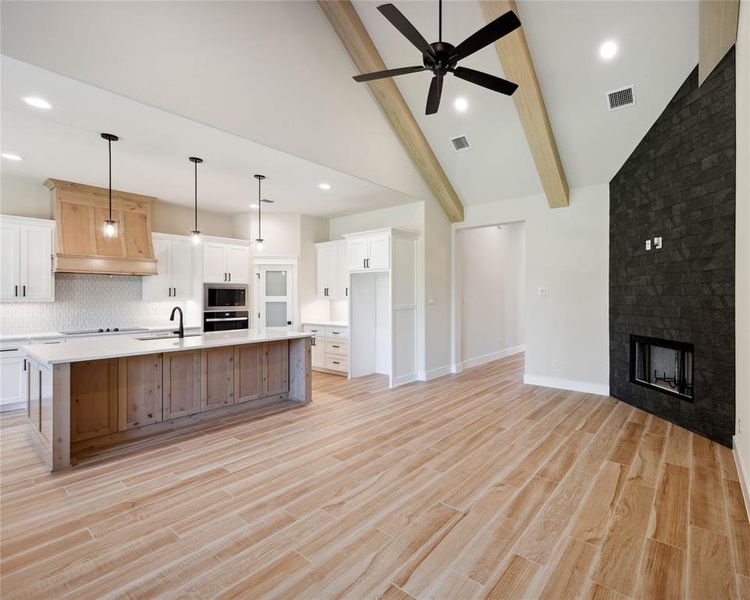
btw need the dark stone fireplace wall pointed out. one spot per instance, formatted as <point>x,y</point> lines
<point>679,183</point>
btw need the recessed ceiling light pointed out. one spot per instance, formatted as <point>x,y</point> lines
<point>37,102</point>
<point>461,104</point>
<point>608,49</point>
<point>324,186</point>
<point>11,156</point>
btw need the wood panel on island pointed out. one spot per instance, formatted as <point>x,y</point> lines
<point>81,407</point>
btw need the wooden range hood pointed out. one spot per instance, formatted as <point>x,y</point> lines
<point>82,247</point>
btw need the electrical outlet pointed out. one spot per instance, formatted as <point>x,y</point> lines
<point>543,291</point>
<point>657,243</point>
<point>555,363</point>
<point>648,244</point>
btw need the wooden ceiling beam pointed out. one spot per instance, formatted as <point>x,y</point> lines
<point>518,68</point>
<point>717,33</point>
<point>348,26</point>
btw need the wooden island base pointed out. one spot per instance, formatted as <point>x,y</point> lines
<point>81,408</point>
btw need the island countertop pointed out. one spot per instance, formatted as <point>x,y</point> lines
<point>115,347</point>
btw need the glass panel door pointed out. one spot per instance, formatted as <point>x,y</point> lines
<point>275,298</point>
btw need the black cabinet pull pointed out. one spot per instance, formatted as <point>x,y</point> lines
<point>169,292</point>
<point>24,364</point>
<point>364,263</point>
<point>335,346</point>
<point>313,342</point>
<point>24,291</point>
<point>230,277</point>
<point>16,291</point>
<point>174,292</point>
<point>335,362</point>
<point>347,291</point>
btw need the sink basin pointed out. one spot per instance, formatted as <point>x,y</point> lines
<point>168,336</point>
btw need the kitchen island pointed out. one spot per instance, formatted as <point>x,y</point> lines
<point>87,396</point>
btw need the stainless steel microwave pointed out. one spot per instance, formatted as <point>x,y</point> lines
<point>218,296</point>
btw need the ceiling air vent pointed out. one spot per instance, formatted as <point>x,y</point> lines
<point>621,98</point>
<point>460,143</point>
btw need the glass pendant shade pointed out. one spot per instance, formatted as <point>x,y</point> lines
<point>110,228</point>
<point>195,237</point>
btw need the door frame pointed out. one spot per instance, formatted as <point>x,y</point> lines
<point>269,262</point>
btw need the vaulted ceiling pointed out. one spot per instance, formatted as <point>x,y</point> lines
<point>276,73</point>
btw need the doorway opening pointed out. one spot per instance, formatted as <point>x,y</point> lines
<point>491,293</point>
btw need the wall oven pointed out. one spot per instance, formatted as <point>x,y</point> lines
<point>224,320</point>
<point>225,296</point>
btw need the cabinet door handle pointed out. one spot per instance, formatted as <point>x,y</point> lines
<point>24,364</point>
<point>335,346</point>
<point>335,362</point>
<point>169,292</point>
<point>347,291</point>
<point>174,292</point>
<point>15,293</point>
<point>312,343</point>
<point>230,277</point>
<point>24,291</point>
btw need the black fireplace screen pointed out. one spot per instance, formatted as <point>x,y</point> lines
<point>663,365</point>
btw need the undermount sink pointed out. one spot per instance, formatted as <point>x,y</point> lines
<point>167,336</point>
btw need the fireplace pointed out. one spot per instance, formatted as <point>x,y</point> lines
<point>663,365</point>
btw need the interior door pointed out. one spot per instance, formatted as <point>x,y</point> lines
<point>182,268</point>
<point>214,268</point>
<point>9,262</point>
<point>275,298</point>
<point>238,264</point>
<point>36,263</point>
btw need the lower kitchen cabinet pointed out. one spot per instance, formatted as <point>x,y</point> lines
<point>217,377</point>
<point>139,391</point>
<point>93,396</point>
<point>182,384</point>
<point>276,368</point>
<point>248,372</point>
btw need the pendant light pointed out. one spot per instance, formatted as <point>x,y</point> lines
<point>259,240</point>
<point>195,233</point>
<point>110,225</point>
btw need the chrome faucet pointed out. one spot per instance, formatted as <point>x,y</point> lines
<point>181,330</point>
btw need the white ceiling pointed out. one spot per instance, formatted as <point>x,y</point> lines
<point>657,50</point>
<point>275,73</point>
<point>152,154</point>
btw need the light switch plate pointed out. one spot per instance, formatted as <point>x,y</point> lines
<point>543,291</point>
<point>648,244</point>
<point>657,243</point>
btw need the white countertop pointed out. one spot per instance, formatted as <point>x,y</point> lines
<point>117,346</point>
<point>327,323</point>
<point>21,337</point>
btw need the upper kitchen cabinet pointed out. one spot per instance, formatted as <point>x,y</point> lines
<point>369,250</point>
<point>82,247</point>
<point>225,262</point>
<point>174,255</point>
<point>333,270</point>
<point>26,260</point>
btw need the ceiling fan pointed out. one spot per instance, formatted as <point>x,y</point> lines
<point>441,57</point>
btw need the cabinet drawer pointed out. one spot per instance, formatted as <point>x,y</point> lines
<point>314,329</point>
<point>337,333</point>
<point>337,363</point>
<point>340,347</point>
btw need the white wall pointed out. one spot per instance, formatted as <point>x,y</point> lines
<point>490,276</point>
<point>567,252</point>
<point>742,258</point>
<point>312,308</point>
<point>27,197</point>
<point>281,231</point>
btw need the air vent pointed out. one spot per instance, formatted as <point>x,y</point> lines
<point>621,98</point>
<point>460,143</point>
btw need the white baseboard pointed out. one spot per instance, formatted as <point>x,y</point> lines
<point>741,470</point>
<point>567,384</point>
<point>404,379</point>
<point>485,358</point>
<point>434,373</point>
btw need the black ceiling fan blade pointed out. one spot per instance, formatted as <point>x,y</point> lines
<point>433,97</point>
<point>488,34</point>
<point>491,82</point>
<point>400,22</point>
<point>388,73</point>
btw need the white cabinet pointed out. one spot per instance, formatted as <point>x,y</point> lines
<point>369,251</point>
<point>175,269</point>
<point>26,260</point>
<point>333,271</point>
<point>224,263</point>
<point>12,379</point>
<point>330,347</point>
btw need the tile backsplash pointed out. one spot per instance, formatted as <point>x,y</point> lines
<point>87,302</point>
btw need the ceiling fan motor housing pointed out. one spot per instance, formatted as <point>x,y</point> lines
<point>441,62</point>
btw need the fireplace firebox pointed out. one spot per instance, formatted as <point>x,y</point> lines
<point>663,365</point>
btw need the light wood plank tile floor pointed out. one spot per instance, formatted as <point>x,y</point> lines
<point>470,486</point>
